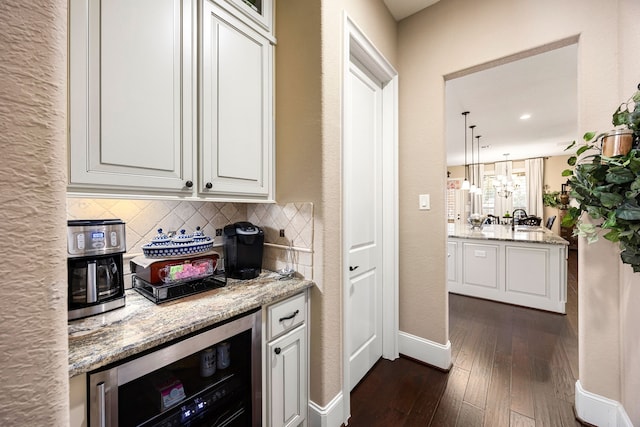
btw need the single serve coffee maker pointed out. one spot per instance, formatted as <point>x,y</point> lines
<point>243,246</point>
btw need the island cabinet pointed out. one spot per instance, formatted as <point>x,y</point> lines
<point>286,361</point>
<point>146,121</point>
<point>524,269</point>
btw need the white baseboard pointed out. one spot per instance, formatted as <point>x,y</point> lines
<point>426,351</point>
<point>329,416</point>
<point>598,410</point>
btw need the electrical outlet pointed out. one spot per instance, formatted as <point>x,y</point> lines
<point>282,233</point>
<point>218,231</point>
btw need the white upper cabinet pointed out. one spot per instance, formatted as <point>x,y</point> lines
<point>259,11</point>
<point>236,154</point>
<point>140,70</point>
<point>131,95</point>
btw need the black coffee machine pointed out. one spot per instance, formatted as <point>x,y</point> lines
<point>243,245</point>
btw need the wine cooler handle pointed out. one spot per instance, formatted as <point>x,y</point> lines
<point>102,411</point>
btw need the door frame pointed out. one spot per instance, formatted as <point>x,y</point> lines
<point>358,47</point>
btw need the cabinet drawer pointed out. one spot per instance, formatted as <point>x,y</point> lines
<point>286,315</point>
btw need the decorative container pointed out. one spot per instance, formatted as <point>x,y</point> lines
<point>617,143</point>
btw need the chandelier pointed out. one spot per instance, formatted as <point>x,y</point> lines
<point>504,184</point>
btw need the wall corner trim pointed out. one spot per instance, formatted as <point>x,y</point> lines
<point>424,350</point>
<point>328,416</point>
<point>599,410</point>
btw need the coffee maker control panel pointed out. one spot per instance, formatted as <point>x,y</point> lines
<point>95,237</point>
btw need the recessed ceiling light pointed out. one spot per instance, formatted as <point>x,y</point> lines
<point>525,116</point>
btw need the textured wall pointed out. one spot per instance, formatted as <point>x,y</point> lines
<point>33,327</point>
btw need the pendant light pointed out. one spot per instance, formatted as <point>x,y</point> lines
<point>479,188</point>
<point>473,174</point>
<point>465,183</point>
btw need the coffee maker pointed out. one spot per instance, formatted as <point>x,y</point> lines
<point>243,246</point>
<point>94,264</point>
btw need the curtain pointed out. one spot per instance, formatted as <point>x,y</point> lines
<point>503,205</point>
<point>534,171</point>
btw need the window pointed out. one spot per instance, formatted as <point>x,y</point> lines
<point>519,196</point>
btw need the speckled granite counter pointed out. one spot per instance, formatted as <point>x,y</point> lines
<point>522,233</point>
<point>99,340</point>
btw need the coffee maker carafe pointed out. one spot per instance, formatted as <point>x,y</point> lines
<point>94,264</point>
<point>243,246</point>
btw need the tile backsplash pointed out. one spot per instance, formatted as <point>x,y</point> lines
<point>144,217</point>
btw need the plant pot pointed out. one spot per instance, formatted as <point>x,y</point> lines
<point>617,143</point>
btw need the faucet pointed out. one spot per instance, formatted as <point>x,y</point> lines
<point>513,220</point>
<point>513,217</point>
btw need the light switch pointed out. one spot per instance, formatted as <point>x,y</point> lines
<point>424,202</point>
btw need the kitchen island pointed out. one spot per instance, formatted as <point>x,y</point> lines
<point>526,265</point>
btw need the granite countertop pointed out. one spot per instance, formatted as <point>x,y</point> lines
<point>522,233</point>
<point>140,325</point>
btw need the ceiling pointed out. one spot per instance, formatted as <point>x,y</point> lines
<point>543,85</point>
<point>400,9</point>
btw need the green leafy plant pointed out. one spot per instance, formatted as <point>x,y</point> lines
<point>608,189</point>
<point>550,199</point>
<point>628,114</point>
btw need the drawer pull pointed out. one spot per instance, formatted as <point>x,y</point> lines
<point>352,268</point>
<point>291,316</point>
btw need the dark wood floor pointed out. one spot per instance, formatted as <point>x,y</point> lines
<point>512,366</point>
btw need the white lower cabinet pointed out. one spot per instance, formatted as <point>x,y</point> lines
<point>286,361</point>
<point>287,379</point>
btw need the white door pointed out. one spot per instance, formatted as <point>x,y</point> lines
<point>363,220</point>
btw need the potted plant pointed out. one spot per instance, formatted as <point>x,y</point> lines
<point>607,187</point>
<point>551,199</point>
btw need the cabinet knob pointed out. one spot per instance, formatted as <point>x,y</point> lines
<point>208,185</point>
<point>189,184</point>
<point>352,268</point>
<point>277,350</point>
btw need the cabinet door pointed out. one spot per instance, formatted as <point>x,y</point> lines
<point>131,94</point>
<point>236,155</point>
<point>287,379</point>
